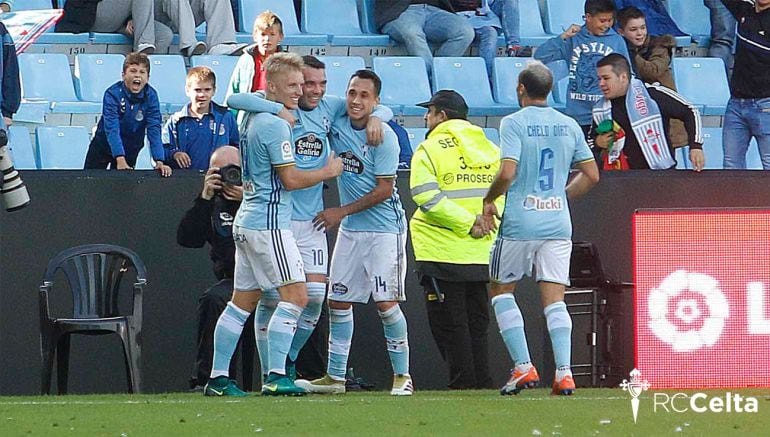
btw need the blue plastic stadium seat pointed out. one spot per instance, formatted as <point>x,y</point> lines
<point>366,15</point>
<point>559,15</point>
<point>416,135</point>
<point>95,73</point>
<point>703,82</point>
<point>404,83</point>
<point>531,24</point>
<point>46,77</point>
<point>492,135</point>
<point>167,76</point>
<point>30,5</point>
<point>62,148</point>
<point>338,72</point>
<point>338,19</point>
<point>22,152</point>
<point>693,18</point>
<point>223,67</point>
<point>110,38</point>
<point>144,160</point>
<point>682,158</point>
<point>250,9</point>
<point>468,76</point>
<point>505,79</point>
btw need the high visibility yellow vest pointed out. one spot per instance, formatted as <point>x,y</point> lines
<point>450,175</point>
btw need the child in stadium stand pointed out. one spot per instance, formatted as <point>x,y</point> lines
<point>129,109</point>
<point>249,76</point>
<point>191,135</point>
<point>582,47</point>
<point>539,147</point>
<point>651,58</point>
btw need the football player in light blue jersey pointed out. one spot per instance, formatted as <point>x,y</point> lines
<point>369,255</point>
<point>539,147</point>
<point>266,254</point>
<point>311,123</point>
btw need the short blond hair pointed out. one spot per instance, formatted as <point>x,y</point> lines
<point>265,21</point>
<point>281,64</point>
<point>202,74</point>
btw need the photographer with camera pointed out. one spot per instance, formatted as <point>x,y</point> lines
<point>192,134</point>
<point>211,220</point>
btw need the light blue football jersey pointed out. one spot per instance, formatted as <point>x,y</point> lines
<point>311,151</point>
<point>266,143</point>
<point>311,141</point>
<point>363,164</point>
<point>545,143</point>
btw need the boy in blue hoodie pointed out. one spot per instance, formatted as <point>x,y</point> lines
<point>582,47</point>
<point>130,109</point>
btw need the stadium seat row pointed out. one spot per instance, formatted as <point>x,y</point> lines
<point>66,147</point>
<point>57,148</point>
<point>351,22</point>
<point>47,78</point>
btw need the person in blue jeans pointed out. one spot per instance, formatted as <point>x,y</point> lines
<point>722,33</point>
<point>416,22</point>
<point>748,110</point>
<point>487,17</point>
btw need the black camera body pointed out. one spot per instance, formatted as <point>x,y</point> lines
<point>231,174</point>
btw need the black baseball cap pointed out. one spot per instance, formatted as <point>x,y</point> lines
<point>449,101</point>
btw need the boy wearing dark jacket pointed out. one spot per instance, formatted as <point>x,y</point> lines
<point>130,109</point>
<point>650,58</point>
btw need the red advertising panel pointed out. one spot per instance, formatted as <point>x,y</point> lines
<point>702,298</point>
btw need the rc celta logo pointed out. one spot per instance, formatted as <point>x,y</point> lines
<point>635,387</point>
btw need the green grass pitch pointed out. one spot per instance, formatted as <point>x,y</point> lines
<point>436,413</point>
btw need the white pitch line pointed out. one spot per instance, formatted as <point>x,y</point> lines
<point>311,400</point>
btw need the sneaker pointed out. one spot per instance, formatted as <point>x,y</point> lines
<point>325,384</point>
<point>198,48</point>
<point>518,51</point>
<point>520,380</point>
<point>223,386</point>
<point>565,387</point>
<point>402,386</point>
<point>281,385</point>
<point>227,49</point>
<point>147,49</point>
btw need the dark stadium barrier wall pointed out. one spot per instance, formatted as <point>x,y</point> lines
<point>141,211</point>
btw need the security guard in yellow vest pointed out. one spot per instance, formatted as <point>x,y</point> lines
<point>451,172</point>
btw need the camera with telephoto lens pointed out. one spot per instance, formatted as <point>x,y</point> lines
<point>13,190</point>
<point>231,174</point>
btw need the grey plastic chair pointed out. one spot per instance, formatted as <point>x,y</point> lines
<point>94,273</point>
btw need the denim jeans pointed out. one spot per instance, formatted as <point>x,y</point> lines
<point>746,118</point>
<point>508,11</point>
<point>486,36</point>
<point>722,33</point>
<point>419,24</point>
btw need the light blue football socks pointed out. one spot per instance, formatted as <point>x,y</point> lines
<point>226,336</point>
<point>511,324</point>
<point>340,337</point>
<point>394,325</point>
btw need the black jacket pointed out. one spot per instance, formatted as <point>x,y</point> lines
<point>79,16</point>
<point>211,221</point>
<point>386,11</point>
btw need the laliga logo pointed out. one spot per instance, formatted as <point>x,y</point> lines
<point>687,311</point>
<point>635,387</point>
